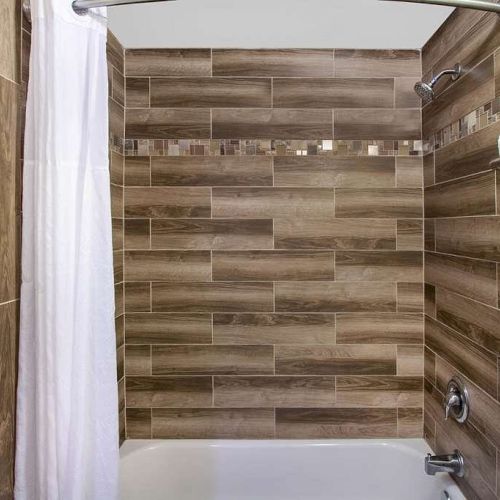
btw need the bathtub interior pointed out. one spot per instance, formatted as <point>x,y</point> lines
<point>279,470</point>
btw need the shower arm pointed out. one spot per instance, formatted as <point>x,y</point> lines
<point>465,4</point>
<point>450,71</point>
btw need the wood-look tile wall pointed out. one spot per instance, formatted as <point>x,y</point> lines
<point>273,296</point>
<point>14,63</point>
<point>462,258</point>
<point>116,102</point>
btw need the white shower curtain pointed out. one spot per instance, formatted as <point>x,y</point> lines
<point>67,422</point>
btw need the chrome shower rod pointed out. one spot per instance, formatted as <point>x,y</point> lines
<point>82,6</point>
<point>464,4</point>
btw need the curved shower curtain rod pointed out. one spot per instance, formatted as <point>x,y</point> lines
<point>81,7</point>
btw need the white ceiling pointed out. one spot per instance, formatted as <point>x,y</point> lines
<point>276,23</point>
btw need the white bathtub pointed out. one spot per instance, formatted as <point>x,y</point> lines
<point>279,470</point>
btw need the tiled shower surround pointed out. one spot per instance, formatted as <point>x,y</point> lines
<point>462,243</point>
<point>273,239</point>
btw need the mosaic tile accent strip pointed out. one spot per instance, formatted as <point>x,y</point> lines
<point>223,147</point>
<point>473,122</point>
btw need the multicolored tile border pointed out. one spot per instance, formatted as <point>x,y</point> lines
<point>273,147</point>
<point>474,121</point>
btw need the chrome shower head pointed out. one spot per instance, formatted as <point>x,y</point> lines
<point>425,90</point>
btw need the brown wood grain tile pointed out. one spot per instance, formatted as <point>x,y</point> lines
<point>120,363</point>
<point>167,265</point>
<point>160,123</point>
<point>118,87</point>
<point>430,300</point>
<point>8,370</point>
<point>116,115</point>
<point>212,297</point>
<point>405,96</point>
<point>384,124</point>
<point>137,171</point>
<point>477,237</point>
<point>213,359</point>
<point>428,161</point>
<point>430,235</point>
<point>336,360</point>
<point>429,365</point>
<point>215,92</point>
<point>473,195</point>
<point>379,391</point>
<point>116,201</point>
<point>276,391</point>
<point>336,423</point>
<point>117,170</point>
<point>310,296</point>
<point>253,329</point>
<point>410,422</point>
<point>410,234</point>
<point>476,321</point>
<point>159,202</point>
<point>137,92</point>
<point>325,171</point>
<point>486,414</point>
<point>380,328</point>
<point>221,234</point>
<point>119,299</point>
<point>333,92</point>
<point>153,392</point>
<point>121,411</point>
<point>213,423</point>
<point>410,360</point>
<point>429,430</point>
<point>273,62</point>
<point>359,63</point>
<point>120,330</point>
<point>230,123</point>
<point>448,35</point>
<point>136,233</point>
<point>409,171</point>
<point>378,266</point>
<point>168,328</point>
<point>474,361</point>
<point>341,234</point>
<point>472,278</point>
<point>167,62</point>
<point>272,265</point>
<point>247,203</point>
<point>479,39</point>
<point>379,202</point>
<point>469,155</point>
<point>471,91</point>
<point>138,423</point>
<point>118,266</point>
<point>137,297</point>
<point>114,52</point>
<point>410,297</point>
<point>8,186</point>
<point>137,360</point>
<point>476,449</point>
<point>211,171</point>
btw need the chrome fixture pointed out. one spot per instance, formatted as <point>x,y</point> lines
<point>465,4</point>
<point>445,495</point>
<point>453,464</point>
<point>456,401</point>
<point>425,90</point>
<point>81,7</point>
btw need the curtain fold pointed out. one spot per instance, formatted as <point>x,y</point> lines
<point>67,409</point>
